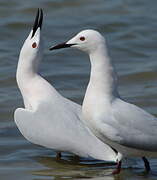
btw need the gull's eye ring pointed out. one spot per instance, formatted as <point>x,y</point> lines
<point>34,45</point>
<point>82,38</point>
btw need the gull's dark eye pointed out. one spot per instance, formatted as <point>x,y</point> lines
<point>34,45</point>
<point>82,38</point>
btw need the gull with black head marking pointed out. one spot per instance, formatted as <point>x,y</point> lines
<point>123,126</point>
<point>49,119</point>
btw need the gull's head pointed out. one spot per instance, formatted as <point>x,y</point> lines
<point>31,48</point>
<point>87,40</point>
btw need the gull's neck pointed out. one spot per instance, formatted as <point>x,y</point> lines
<point>27,71</point>
<point>27,68</point>
<point>27,76</point>
<point>103,80</point>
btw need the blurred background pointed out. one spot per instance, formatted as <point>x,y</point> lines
<point>130,28</point>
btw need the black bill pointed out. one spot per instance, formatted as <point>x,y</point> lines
<point>38,21</point>
<point>60,46</point>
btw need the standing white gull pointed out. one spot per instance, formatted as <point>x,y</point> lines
<point>48,118</point>
<point>125,127</point>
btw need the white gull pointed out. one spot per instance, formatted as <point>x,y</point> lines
<point>48,118</point>
<point>125,127</point>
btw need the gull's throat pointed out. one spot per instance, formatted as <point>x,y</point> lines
<point>103,76</point>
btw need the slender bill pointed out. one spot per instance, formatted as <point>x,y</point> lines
<point>60,46</point>
<point>38,21</point>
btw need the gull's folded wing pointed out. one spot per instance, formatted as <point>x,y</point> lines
<point>133,127</point>
<point>61,130</point>
<point>22,118</point>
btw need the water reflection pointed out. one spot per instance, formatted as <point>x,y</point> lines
<point>70,167</point>
<point>99,178</point>
<point>84,169</point>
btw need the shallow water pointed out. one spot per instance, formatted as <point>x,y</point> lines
<point>130,29</point>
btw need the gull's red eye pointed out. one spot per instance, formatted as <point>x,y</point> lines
<point>34,45</point>
<point>82,38</point>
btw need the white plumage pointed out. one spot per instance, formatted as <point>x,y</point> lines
<point>125,127</point>
<point>49,119</point>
